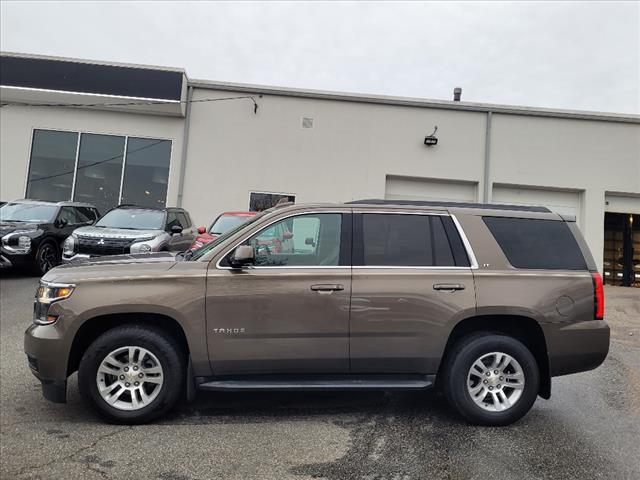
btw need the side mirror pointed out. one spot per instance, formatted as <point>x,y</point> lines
<point>287,235</point>
<point>61,223</point>
<point>242,256</point>
<point>176,229</point>
<point>310,241</point>
<point>201,230</point>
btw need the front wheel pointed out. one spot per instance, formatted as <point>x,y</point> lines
<point>132,374</point>
<point>46,257</point>
<point>491,379</point>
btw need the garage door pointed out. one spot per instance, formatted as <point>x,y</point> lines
<point>405,188</point>
<point>620,203</point>
<point>565,202</point>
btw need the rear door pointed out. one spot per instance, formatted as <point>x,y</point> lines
<point>412,281</point>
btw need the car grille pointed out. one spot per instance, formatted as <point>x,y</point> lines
<point>104,246</point>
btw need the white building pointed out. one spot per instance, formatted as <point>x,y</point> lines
<point>153,136</point>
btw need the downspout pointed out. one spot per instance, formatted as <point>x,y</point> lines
<point>185,146</point>
<point>486,182</point>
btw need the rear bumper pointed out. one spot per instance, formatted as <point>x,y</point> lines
<point>576,347</point>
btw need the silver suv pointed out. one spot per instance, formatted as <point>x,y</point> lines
<point>130,229</point>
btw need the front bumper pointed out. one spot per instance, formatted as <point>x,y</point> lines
<point>576,347</point>
<point>8,259</point>
<point>47,357</point>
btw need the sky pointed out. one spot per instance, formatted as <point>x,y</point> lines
<point>570,55</point>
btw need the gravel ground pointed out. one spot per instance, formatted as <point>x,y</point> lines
<point>589,429</point>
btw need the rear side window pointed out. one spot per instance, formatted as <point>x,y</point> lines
<point>399,240</point>
<point>531,243</point>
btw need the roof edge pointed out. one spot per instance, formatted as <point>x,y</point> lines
<point>414,101</point>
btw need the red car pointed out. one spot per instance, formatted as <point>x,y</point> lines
<point>225,221</point>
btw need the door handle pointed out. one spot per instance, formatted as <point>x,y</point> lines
<point>448,287</point>
<point>322,288</point>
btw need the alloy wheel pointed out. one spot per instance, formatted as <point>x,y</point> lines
<point>130,378</point>
<point>495,381</point>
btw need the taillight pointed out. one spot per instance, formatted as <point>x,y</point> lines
<point>598,296</point>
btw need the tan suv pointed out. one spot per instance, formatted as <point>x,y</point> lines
<point>487,302</point>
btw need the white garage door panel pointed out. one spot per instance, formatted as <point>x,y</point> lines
<point>402,188</point>
<point>559,201</point>
<point>622,203</point>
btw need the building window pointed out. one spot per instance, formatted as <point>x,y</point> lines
<point>104,170</point>
<point>146,172</point>
<point>259,201</point>
<point>53,159</point>
<point>99,170</point>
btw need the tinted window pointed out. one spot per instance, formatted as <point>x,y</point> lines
<point>130,218</point>
<point>404,240</point>
<point>90,213</point>
<point>99,170</point>
<point>146,172</point>
<point>182,219</point>
<point>27,212</point>
<point>305,240</point>
<point>529,243</point>
<point>73,216</point>
<point>172,219</point>
<point>259,202</point>
<point>53,159</point>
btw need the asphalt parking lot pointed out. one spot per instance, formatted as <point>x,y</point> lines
<point>589,429</point>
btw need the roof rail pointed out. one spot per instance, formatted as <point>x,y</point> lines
<point>428,203</point>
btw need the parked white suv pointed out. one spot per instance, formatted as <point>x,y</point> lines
<point>129,229</point>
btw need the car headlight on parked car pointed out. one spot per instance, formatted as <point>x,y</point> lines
<point>144,248</point>
<point>18,242</point>
<point>69,245</point>
<point>47,294</point>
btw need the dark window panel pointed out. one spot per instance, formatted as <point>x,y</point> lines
<point>541,244</point>
<point>90,78</point>
<point>99,170</point>
<point>259,202</point>
<point>397,240</point>
<point>53,157</point>
<point>146,172</point>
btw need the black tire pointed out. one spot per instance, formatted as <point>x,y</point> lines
<point>166,350</point>
<point>456,371</point>
<point>47,257</point>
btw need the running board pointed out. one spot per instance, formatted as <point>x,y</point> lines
<point>346,382</point>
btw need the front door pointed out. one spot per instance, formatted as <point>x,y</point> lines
<point>289,313</point>
<point>411,282</point>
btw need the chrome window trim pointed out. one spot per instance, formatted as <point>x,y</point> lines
<point>294,214</point>
<point>466,243</point>
<point>412,267</point>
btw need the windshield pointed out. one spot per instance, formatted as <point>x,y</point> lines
<point>209,246</point>
<point>226,222</point>
<point>27,212</point>
<point>133,219</point>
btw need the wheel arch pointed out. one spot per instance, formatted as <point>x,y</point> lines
<point>523,328</point>
<point>93,327</point>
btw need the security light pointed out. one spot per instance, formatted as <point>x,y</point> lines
<point>431,140</point>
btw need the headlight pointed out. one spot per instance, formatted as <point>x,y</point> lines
<point>52,292</point>
<point>46,294</point>
<point>18,242</point>
<point>144,248</point>
<point>69,246</point>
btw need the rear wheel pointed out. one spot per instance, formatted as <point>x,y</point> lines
<point>132,374</point>
<point>491,379</point>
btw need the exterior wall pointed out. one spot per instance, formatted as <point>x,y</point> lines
<point>354,146</point>
<point>592,157</point>
<point>345,156</point>
<point>17,124</point>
